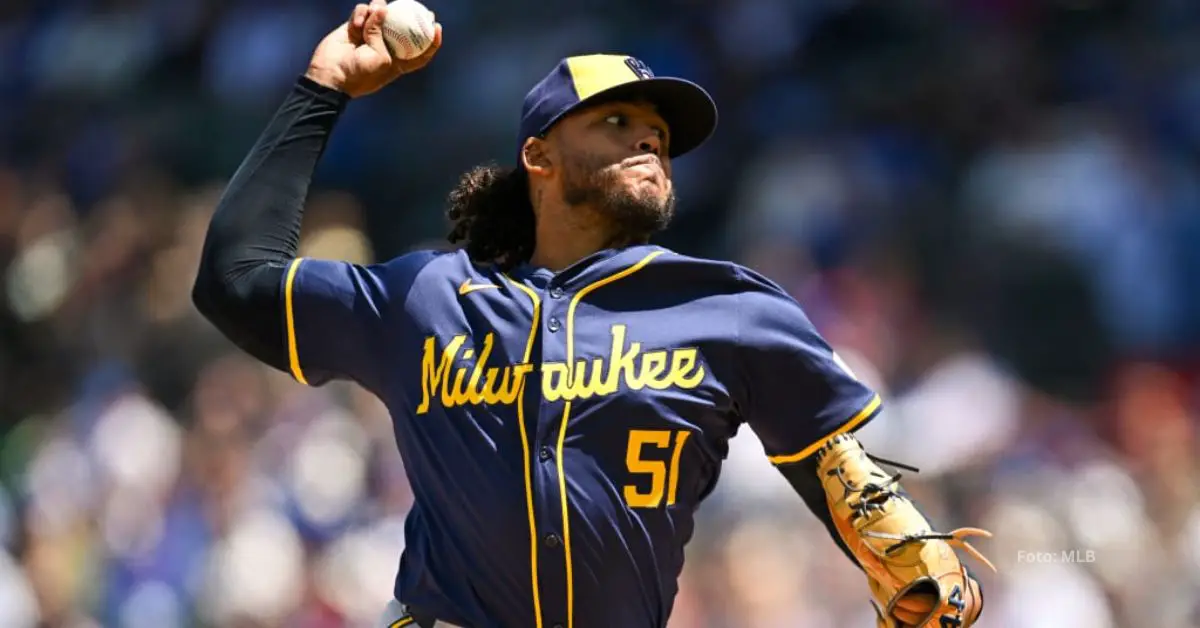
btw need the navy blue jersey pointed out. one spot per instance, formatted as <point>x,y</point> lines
<point>560,430</point>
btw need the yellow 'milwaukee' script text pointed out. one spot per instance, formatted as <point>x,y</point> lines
<point>626,365</point>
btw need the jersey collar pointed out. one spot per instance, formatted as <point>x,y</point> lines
<point>586,270</point>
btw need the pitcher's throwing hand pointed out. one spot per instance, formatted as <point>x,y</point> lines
<point>354,58</point>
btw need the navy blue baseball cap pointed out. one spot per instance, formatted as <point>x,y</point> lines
<point>578,82</point>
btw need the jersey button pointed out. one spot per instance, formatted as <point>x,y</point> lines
<point>554,325</point>
<point>556,292</point>
<point>552,540</point>
<point>545,454</point>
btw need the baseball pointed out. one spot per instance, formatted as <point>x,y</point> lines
<point>408,28</point>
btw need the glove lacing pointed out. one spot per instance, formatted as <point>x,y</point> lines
<point>875,495</point>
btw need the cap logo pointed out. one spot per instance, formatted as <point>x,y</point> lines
<point>639,68</point>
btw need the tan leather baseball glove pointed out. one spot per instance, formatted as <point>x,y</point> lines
<point>915,576</point>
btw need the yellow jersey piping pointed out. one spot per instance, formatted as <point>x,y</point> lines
<point>562,430</point>
<point>867,412</point>
<point>533,545</point>
<point>293,352</point>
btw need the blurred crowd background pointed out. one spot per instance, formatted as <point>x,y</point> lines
<point>991,208</point>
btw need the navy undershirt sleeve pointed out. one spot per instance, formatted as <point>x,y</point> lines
<point>255,231</point>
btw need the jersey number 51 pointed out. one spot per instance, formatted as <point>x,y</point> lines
<point>643,457</point>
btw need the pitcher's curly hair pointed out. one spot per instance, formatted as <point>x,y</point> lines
<point>492,216</point>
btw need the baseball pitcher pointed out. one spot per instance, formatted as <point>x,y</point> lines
<point>562,391</point>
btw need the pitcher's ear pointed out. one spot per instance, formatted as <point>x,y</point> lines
<point>534,156</point>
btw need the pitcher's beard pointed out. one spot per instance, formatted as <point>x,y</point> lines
<point>633,216</point>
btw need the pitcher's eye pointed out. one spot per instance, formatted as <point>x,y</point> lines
<point>617,119</point>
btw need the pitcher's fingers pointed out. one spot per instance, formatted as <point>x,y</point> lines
<point>373,28</point>
<point>358,16</point>
<point>433,45</point>
<point>377,12</point>
<point>437,39</point>
<point>354,25</point>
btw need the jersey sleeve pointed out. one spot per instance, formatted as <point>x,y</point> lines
<point>796,391</point>
<point>341,319</point>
